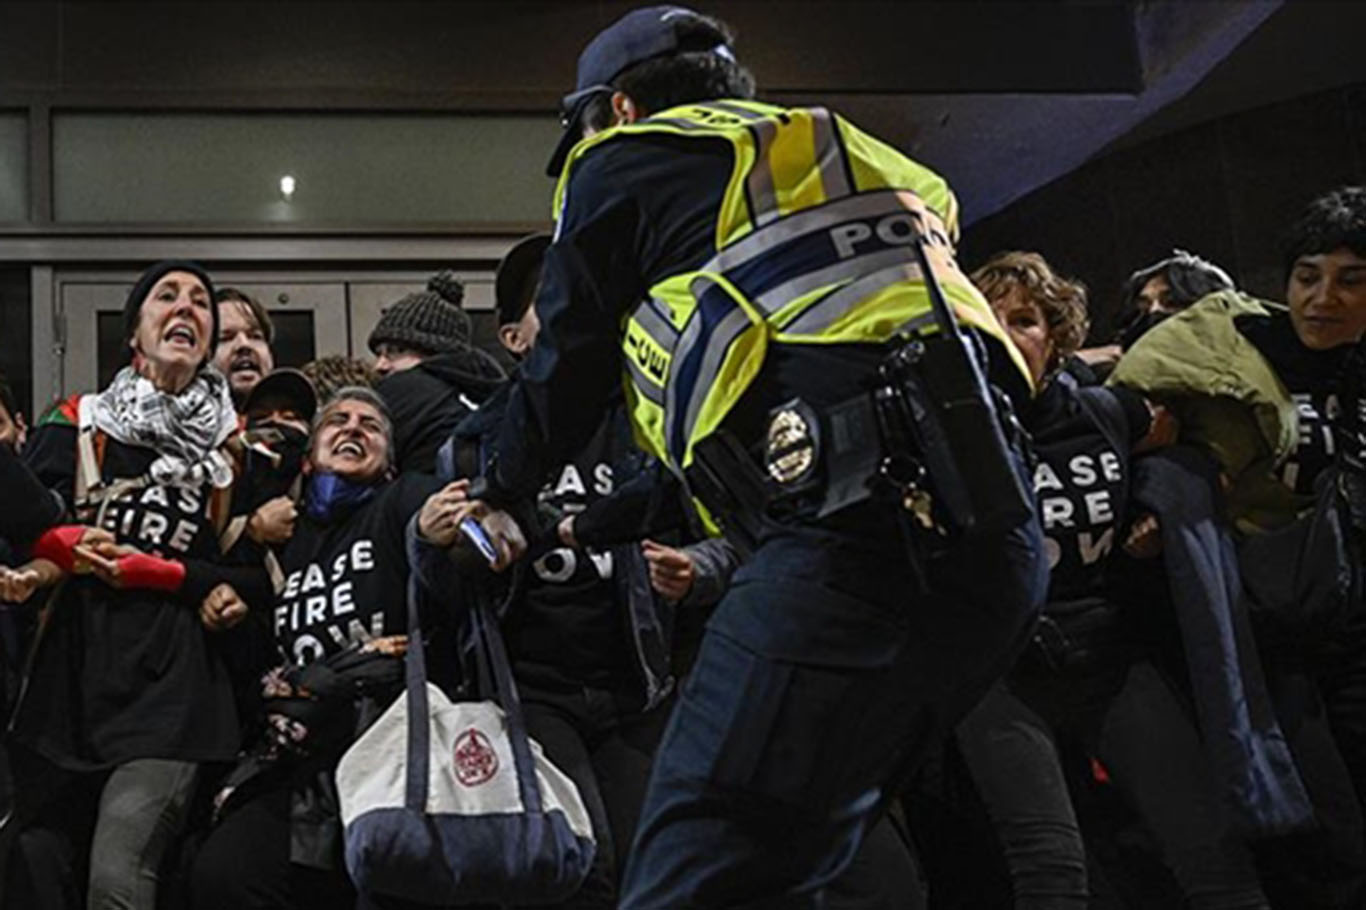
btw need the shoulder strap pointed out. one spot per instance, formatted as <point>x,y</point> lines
<point>220,514</point>
<point>91,442</point>
<point>490,649</point>
<point>88,454</point>
<point>35,646</point>
<point>91,489</point>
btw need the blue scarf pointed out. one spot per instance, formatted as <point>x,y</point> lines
<point>329,495</point>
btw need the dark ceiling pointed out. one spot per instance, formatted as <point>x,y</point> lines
<point>1002,97</point>
<point>515,48</point>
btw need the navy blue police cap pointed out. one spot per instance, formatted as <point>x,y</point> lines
<point>642,34</point>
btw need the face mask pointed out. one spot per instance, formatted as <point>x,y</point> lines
<point>276,448</point>
<point>330,495</point>
<point>1138,326</point>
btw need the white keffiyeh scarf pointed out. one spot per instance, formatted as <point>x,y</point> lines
<point>185,430</point>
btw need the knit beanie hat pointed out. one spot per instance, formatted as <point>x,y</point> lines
<point>132,306</point>
<point>430,321</point>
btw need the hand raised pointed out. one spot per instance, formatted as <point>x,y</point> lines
<point>273,521</point>
<point>437,521</point>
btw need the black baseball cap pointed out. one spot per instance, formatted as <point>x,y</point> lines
<point>651,31</point>
<point>286,385</point>
<point>515,282</point>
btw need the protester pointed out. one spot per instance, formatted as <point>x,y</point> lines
<point>245,334</point>
<point>29,510</point>
<point>341,612</point>
<point>1085,677</point>
<point>431,374</point>
<point>1150,295</point>
<point>265,509</point>
<point>127,695</point>
<point>1274,394</point>
<point>278,413</point>
<point>333,372</point>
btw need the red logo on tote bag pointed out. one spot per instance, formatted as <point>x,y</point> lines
<point>475,760</point>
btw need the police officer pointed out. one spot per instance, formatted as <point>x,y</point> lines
<point>749,265</point>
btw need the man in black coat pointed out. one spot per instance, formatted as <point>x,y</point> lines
<point>432,376</point>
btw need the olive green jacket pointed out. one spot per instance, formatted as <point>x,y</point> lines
<point>1228,399</point>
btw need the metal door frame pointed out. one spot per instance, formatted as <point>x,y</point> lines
<point>387,259</point>
<point>79,333</point>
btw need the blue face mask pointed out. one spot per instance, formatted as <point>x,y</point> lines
<point>329,495</point>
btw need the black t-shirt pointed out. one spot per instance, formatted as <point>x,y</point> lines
<point>1312,378</point>
<point>346,580</point>
<point>1081,482</point>
<point>568,629</point>
<point>129,674</point>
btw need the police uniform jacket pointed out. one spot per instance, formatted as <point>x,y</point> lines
<point>718,259</point>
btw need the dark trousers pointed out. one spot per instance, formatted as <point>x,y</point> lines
<point>1325,868</point>
<point>606,748</point>
<point>244,864</point>
<point>1340,674</point>
<point>95,840</point>
<point>883,875</point>
<point>821,681</point>
<point>1132,720</point>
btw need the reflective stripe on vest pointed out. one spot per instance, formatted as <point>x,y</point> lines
<point>767,202</point>
<point>791,282</point>
<point>649,349</point>
<point>814,245</point>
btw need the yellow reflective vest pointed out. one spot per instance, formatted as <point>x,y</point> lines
<point>813,246</point>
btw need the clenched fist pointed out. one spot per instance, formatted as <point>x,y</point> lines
<point>437,521</point>
<point>273,521</point>
<point>671,570</point>
<point>222,609</point>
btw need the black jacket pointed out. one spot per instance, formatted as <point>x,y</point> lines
<point>639,209</point>
<point>30,508</point>
<point>639,506</point>
<point>428,401</point>
<point>1248,752</point>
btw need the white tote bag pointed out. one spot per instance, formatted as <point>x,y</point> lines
<point>449,803</point>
